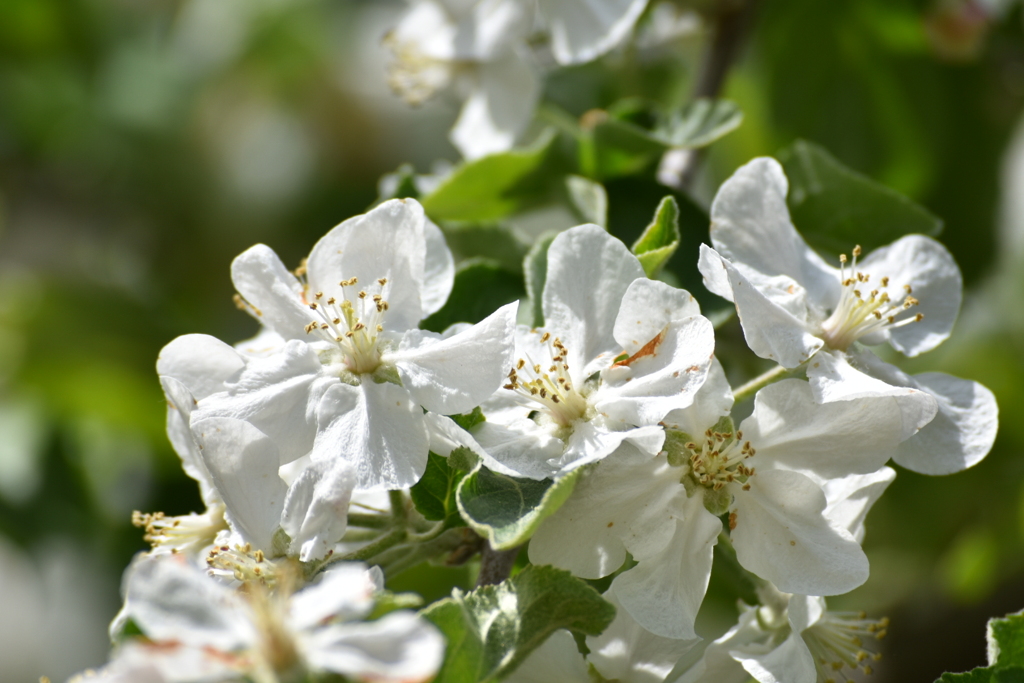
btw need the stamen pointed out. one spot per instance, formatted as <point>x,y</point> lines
<point>553,389</point>
<point>353,323</point>
<point>842,641</point>
<point>855,317</point>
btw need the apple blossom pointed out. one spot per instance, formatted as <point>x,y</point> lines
<point>353,374</point>
<point>617,353</point>
<point>200,630</point>
<point>796,309</point>
<point>663,509</point>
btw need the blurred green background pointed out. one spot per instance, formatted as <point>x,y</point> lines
<point>145,144</point>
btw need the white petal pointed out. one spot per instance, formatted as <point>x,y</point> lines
<point>772,330</point>
<point>243,463</point>
<point>664,590</point>
<point>647,307</point>
<point>138,661</point>
<point>378,429</point>
<point>438,269</point>
<point>713,400</point>
<point>446,436</point>
<point>201,362</point>
<point>790,662</point>
<point>454,375</point>
<point>627,652</point>
<point>400,647</point>
<point>589,443</point>
<point>583,30</point>
<point>172,600</point>
<point>180,404</point>
<point>315,513</point>
<point>850,498</point>
<point>838,377</point>
<point>265,343</point>
<point>589,272</point>
<point>277,395</point>
<point>556,660</point>
<point>964,427</point>
<point>750,226</point>
<point>386,242</point>
<point>630,498</point>
<point>664,376</point>
<point>520,448</point>
<point>344,591</point>
<point>718,665</point>
<point>274,293</point>
<point>790,429</point>
<point>498,109</point>
<point>930,270</point>
<point>782,535</point>
<point>804,611</point>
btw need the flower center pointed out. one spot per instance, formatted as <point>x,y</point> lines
<point>242,563</point>
<point>837,642</point>
<point>412,75</point>
<point>551,388</point>
<point>856,316</point>
<point>186,533</point>
<point>353,322</point>
<point>718,460</point>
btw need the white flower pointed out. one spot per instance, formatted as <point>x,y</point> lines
<point>791,639</point>
<point>618,352</point>
<point>797,309</point>
<point>197,629</point>
<point>768,475</point>
<point>353,374</point>
<point>244,464</point>
<point>624,652</point>
<point>583,30</point>
<point>479,48</point>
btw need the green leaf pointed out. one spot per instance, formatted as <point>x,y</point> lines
<point>491,630</point>
<point>487,240</point>
<point>398,185</point>
<point>1006,641</point>
<point>632,133</point>
<point>588,198</point>
<point>434,494</point>
<point>507,510</point>
<point>386,602</point>
<point>660,239</point>
<point>481,287</point>
<point>469,420</point>
<point>700,123</point>
<point>493,186</point>
<point>1005,654</point>
<point>836,208</point>
<point>535,269</point>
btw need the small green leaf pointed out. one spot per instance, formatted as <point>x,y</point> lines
<point>434,494</point>
<point>588,198</point>
<point>535,268</point>
<point>398,185</point>
<point>491,630</point>
<point>507,510</point>
<point>485,240</point>
<point>493,186</point>
<point>469,420</point>
<point>1005,654</point>
<point>836,208</point>
<point>1006,641</point>
<point>699,123</point>
<point>660,239</point>
<point>386,602</point>
<point>481,287</point>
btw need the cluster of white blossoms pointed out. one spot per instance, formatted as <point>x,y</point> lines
<point>485,50</point>
<point>341,397</point>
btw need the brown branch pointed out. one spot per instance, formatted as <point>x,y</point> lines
<point>732,25</point>
<point>495,565</point>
